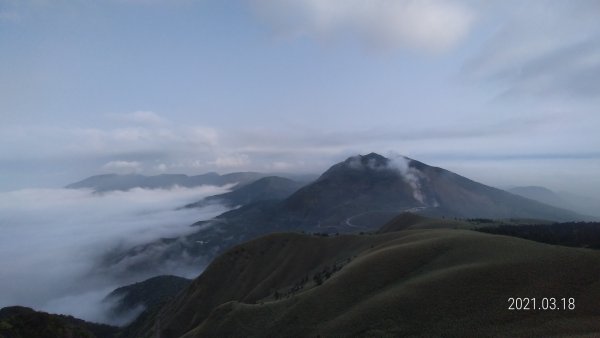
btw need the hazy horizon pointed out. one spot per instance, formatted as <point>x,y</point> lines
<point>504,93</point>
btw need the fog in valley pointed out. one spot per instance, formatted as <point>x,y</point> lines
<point>53,240</point>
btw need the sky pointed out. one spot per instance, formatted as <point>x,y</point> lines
<point>504,92</point>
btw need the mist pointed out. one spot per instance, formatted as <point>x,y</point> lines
<point>53,239</point>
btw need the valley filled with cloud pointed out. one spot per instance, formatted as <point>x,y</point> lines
<point>55,240</point>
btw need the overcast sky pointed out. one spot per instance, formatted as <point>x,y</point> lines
<point>503,92</point>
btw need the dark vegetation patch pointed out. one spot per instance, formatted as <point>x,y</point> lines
<point>573,234</point>
<point>23,322</point>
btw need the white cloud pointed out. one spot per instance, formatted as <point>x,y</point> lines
<point>282,166</point>
<point>192,149</point>
<point>432,25</point>
<point>162,167</point>
<point>53,141</point>
<point>200,136</point>
<point>123,166</point>
<point>231,161</point>
<point>55,238</point>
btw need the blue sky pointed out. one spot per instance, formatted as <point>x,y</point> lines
<point>504,92</point>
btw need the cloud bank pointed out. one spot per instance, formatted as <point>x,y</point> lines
<point>429,25</point>
<point>54,239</point>
<point>122,167</point>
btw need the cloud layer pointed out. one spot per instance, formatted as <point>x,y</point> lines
<point>542,49</point>
<point>429,25</point>
<point>567,138</point>
<point>56,237</point>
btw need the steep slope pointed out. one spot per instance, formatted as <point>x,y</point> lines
<point>253,271</point>
<point>266,188</point>
<point>22,322</point>
<point>358,185</point>
<point>110,182</point>
<point>441,282</point>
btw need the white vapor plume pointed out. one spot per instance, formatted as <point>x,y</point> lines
<point>409,174</point>
<point>52,240</point>
<point>399,164</point>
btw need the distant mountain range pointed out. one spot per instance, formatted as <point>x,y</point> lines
<point>581,204</point>
<point>359,194</point>
<point>110,182</point>
<point>376,186</point>
<point>539,194</point>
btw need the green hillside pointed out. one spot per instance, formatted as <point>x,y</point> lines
<point>429,282</point>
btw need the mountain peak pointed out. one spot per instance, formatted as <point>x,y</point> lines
<point>373,155</point>
<point>369,161</point>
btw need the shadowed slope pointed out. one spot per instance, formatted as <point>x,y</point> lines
<point>369,190</point>
<point>253,271</point>
<point>266,188</point>
<point>407,220</point>
<point>433,282</point>
<point>413,282</point>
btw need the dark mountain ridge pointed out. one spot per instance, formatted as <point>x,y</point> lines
<point>111,182</point>
<point>266,188</point>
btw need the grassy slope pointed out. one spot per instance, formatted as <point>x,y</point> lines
<point>254,271</point>
<point>431,282</point>
<point>442,281</point>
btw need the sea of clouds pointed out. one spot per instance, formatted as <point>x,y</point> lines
<point>51,242</point>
